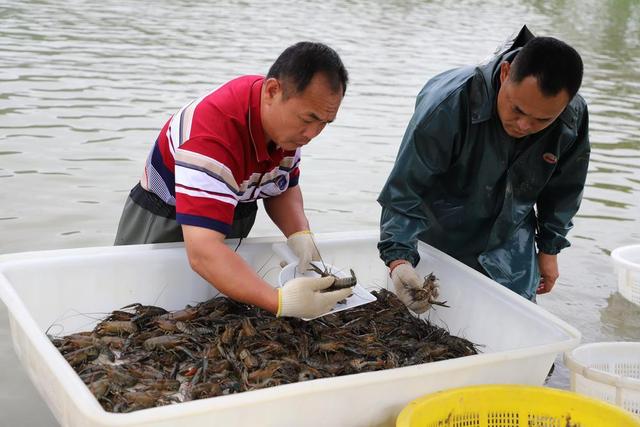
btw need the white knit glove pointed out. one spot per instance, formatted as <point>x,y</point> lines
<point>301,297</point>
<point>304,247</point>
<point>405,280</point>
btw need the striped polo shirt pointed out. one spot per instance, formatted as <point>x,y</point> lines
<point>212,155</point>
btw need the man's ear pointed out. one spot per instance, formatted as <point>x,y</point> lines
<point>272,88</point>
<point>505,67</point>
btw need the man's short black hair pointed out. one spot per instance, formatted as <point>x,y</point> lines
<point>554,63</point>
<point>297,65</point>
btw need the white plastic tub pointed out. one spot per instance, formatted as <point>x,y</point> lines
<point>70,289</point>
<point>609,371</point>
<point>627,263</point>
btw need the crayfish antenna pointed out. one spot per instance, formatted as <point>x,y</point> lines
<point>324,266</point>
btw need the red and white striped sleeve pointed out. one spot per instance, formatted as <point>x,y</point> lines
<point>207,190</point>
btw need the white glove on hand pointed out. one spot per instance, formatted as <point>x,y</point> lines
<point>301,297</point>
<point>406,280</point>
<point>303,246</point>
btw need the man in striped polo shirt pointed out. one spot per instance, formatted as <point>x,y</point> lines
<point>221,153</point>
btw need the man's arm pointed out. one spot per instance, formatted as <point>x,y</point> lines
<point>287,211</point>
<point>558,203</point>
<point>424,154</point>
<point>226,270</point>
<point>549,272</point>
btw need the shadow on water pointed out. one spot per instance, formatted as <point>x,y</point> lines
<point>620,319</point>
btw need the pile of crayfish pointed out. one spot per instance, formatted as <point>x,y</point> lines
<point>142,356</point>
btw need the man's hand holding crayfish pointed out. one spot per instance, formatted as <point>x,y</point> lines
<point>306,296</point>
<point>303,297</point>
<point>417,294</point>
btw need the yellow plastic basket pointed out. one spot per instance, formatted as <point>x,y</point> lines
<point>512,406</point>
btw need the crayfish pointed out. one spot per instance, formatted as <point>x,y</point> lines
<point>339,283</point>
<point>428,291</point>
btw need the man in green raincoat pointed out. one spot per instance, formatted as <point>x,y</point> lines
<point>492,164</point>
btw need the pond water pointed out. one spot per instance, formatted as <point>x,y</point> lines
<point>86,85</point>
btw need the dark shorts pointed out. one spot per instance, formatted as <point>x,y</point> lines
<point>146,218</point>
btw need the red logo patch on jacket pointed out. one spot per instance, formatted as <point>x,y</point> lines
<point>550,158</point>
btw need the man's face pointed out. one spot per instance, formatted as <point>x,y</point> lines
<point>522,107</point>
<point>292,122</point>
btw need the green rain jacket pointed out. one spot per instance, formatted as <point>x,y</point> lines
<point>462,185</point>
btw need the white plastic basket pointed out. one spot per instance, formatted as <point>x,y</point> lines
<point>627,262</point>
<point>60,291</point>
<point>609,371</point>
